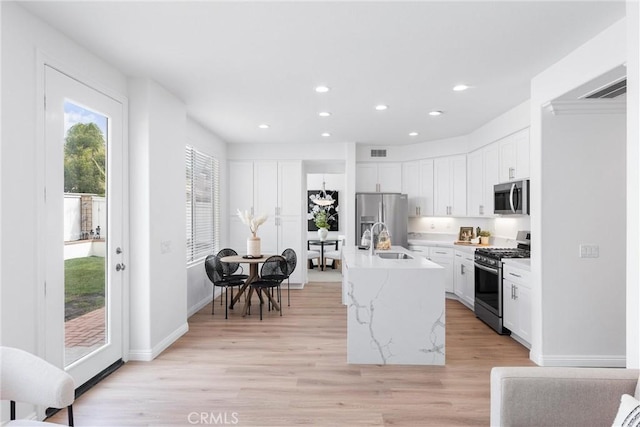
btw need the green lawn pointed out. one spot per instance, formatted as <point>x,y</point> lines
<point>84,285</point>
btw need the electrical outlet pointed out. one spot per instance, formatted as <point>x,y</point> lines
<point>589,251</point>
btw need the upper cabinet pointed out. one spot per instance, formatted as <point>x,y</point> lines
<point>514,156</point>
<point>482,175</point>
<point>273,188</point>
<point>450,186</point>
<point>379,177</point>
<point>417,183</point>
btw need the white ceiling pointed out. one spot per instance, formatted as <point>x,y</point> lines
<point>239,64</point>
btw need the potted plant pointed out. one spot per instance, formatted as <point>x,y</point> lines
<point>321,220</point>
<point>484,237</point>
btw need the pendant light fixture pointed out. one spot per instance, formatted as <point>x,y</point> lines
<point>324,199</point>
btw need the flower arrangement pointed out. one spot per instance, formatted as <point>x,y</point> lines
<point>251,221</point>
<point>321,219</point>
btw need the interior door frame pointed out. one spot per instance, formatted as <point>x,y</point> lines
<point>42,61</point>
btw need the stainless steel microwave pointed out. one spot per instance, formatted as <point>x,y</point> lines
<point>511,198</point>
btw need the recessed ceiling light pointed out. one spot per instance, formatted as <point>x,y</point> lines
<point>381,107</point>
<point>324,114</point>
<point>263,126</point>
<point>322,89</point>
<point>413,134</point>
<point>460,88</point>
<point>435,113</point>
<point>326,134</point>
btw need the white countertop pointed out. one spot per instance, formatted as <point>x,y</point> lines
<point>360,258</point>
<point>523,263</point>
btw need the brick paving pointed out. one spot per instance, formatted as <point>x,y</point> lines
<point>86,330</point>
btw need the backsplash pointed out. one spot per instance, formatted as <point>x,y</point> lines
<point>503,229</point>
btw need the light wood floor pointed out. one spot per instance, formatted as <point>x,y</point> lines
<point>292,371</point>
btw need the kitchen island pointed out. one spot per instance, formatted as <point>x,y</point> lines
<point>396,308</point>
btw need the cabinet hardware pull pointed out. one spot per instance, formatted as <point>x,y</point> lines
<point>514,274</point>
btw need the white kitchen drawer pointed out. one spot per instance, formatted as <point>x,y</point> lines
<point>420,250</point>
<point>440,252</point>
<point>516,275</point>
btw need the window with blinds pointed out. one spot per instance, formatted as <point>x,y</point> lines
<point>202,204</point>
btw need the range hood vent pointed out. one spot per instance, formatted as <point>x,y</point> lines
<point>378,153</point>
<point>611,91</point>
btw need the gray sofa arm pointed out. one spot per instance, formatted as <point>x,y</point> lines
<point>538,396</point>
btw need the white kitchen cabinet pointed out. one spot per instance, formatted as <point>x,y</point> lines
<point>441,256</point>
<point>463,277</point>
<point>444,258</point>
<point>273,188</point>
<point>516,306</point>
<point>450,186</point>
<point>417,184</point>
<point>514,156</point>
<point>482,175</point>
<point>379,177</point>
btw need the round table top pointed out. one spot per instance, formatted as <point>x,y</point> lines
<point>318,241</point>
<point>240,258</point>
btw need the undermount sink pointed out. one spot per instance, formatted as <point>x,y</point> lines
<point>394,255</point>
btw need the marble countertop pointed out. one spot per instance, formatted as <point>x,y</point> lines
<point>359,258</point>
<point>523,263</point>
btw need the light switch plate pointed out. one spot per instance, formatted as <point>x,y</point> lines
<point>589,251</point>
<point>165,246</point>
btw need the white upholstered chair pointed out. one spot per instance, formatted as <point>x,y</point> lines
<point>29,379</point>
<point>336,255</point>
<point>311,255</point>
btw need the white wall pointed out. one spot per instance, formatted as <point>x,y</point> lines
<point>633,184</point>
<point>199,288</point>
<point>553,166</point>
<point>158,134</point>
<point>584,191</point>
<point>24,38</point>
<point>507,123</point>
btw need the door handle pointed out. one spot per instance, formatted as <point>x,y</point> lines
<point>120,266</point>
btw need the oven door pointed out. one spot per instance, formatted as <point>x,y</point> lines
<point>488,288</point>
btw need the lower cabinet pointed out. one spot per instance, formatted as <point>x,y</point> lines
<point>463,278</point>
<point>516,306</point>
<point>444,258</point>
<point>441,256</point>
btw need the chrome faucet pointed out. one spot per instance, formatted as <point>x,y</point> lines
<point>373,239</point>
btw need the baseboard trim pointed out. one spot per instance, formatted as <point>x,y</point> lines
<point>198,306</point>
<point>604,361</point>
<point>147,355</point>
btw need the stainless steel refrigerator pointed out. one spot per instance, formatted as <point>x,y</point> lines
<point>389,208</point>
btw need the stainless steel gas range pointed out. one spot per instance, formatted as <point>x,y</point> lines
<point>488,280</point>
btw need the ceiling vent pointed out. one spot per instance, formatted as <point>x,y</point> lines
<point>611,91</point>
<point>379,153</point>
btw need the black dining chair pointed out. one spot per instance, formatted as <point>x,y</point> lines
<point>273,272</point>
<point>231,268</point>
<point>215,271</point>
<point>292,260</point>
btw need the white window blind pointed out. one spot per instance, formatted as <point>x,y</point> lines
<point>202,204</point>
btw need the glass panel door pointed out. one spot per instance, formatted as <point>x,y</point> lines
<point>85,231</point>
<point>84,196</point>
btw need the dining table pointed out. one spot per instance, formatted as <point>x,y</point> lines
<point>322,244</point>
<point>253,262</point>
